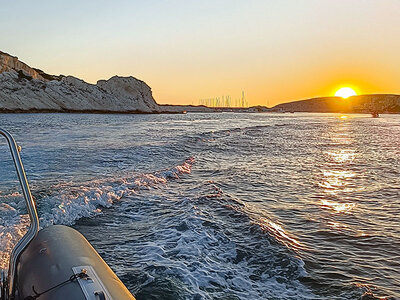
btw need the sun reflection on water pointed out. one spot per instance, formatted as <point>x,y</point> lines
<point>337,225</point>
<point>337,207</point>
<point>338,173</point>
<point>279,233</point>
<point>342,156</point>
<point>336,177</point>
<point>336,181</point>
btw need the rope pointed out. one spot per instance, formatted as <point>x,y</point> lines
<point>71,279</point>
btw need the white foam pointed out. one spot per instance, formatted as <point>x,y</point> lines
<point>69,202</point>
<point>205,258</point>
<point>12,227</point>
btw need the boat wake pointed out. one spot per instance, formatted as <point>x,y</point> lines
<point>65,203</point>
<point>201,244</point>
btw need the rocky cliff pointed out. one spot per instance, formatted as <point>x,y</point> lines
<point>9,63</point>
<point>25,89</point>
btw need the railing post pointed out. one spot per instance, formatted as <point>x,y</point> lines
<point>34,227</point>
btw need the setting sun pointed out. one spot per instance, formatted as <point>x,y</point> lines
<point>345,92</point>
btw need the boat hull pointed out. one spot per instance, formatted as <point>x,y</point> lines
<point>49,260</point>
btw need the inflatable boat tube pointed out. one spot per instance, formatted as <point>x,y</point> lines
<point>61,264</point>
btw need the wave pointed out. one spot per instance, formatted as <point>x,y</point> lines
<point>66,203</point>
<point>201,244</point>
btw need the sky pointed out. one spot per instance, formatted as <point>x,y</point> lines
<point>186,50</point>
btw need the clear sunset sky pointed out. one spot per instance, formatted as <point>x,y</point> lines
<point>186,50</point>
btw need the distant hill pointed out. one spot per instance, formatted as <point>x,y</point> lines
<point>205,109</point>
<point>381,103</point>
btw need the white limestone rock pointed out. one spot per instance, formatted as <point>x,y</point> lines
<point>25,89</point>
<point>9,62</point>
<point>132,89</point>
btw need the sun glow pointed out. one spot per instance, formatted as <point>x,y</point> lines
<point>345,92</point>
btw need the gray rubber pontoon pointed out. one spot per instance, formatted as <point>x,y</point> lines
<point>57,262</point>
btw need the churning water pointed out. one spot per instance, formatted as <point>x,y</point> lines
<point>219,206</point>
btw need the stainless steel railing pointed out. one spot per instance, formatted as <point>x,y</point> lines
<point>34,227</point>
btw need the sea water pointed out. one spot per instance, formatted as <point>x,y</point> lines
<point>218,206</point>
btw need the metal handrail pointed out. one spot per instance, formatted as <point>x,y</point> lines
<point>34,227</point>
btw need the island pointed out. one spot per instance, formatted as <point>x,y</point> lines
<point>26,89</point>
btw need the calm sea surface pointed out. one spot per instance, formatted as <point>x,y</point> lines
<point>219,206</point>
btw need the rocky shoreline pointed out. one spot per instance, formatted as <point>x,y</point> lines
<point>69,111</point>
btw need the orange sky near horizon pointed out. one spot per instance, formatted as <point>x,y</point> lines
<point>274,51</point>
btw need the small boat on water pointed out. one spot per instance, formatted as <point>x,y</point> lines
<point>57,262</point>
<point>375,114</point>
